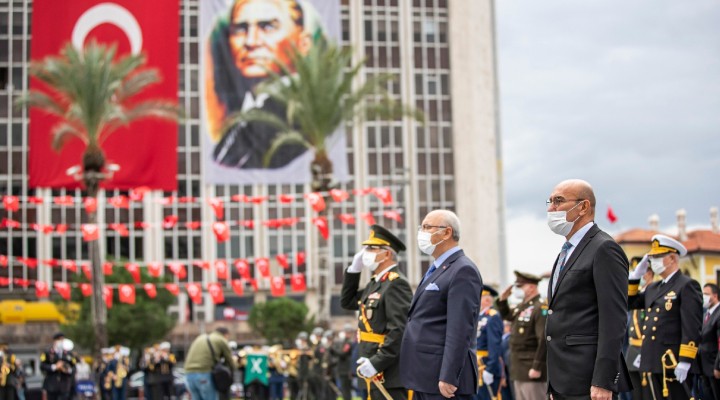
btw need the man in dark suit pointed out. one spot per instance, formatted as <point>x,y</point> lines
<point>438,359</point>
<point>708,352</point>
<point>587,306</point>
<point>383,306</point>
<point>671,328</point>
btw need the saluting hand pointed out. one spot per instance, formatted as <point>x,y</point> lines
<point>504,296</point>
<point>446,389</point>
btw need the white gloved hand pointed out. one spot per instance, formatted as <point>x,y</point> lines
<point>357,265</point>
<point>640,269</point>
<point>681,371</point>
<point>366,368</point>
<point>488,378</point>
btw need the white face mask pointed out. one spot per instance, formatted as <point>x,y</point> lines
<point>342,335</point>
<point>518,293</point>
<point>558,223</point>
<point>657,265</point>
<point>368,260</point>
<point>425,244</point>
<point>706,301</point>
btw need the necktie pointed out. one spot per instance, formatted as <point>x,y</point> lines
<point>428,273</point>
<point>560,264</point>
<point>707,317</point>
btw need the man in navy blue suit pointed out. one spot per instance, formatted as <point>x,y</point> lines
<point>437,358</point>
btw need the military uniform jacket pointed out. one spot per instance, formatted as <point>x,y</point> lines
<point>163,367</point>
<point>708,353</point>
<point>672,321</point>
<point>386,301</point>
<point>489,340</point>
<point>7,363</point>
<point>59,380</point>
<point>527,340</point>
<point>636,319</point>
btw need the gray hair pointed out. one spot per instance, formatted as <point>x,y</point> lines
<point>450,219</point>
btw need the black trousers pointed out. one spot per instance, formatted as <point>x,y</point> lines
<point>711,388</point>
<point>636,379</point>
<point>345,386</point>
<point>7,392</point>
<point>433,396</point>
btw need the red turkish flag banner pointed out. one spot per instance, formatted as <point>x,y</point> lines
<point>383,194</point>
<point>348,219</point>
<point>221,269</point>
<point>286,198</point>
<point>121,229</point>
<point>154,269</point>
<point>218,206</point>
<point>41,290</point>
<point>4,281</point>
<point>34,200</point>
<point>63,289</point>
<point>51,262</point>
<point>170,221</point>
<point>86,289</point>
<point>87,270</point>
<point>194,291</point>
<point>243,268</point>
<point>297,283</point>
<point>90,232</point>
<point>173,288</point>
<point>317,202</point>
<point>339,195</point>
<point>90,204</point>
<point>178,269</point>
<point>216,293</point>
<point>277,286</point>
<point>69,265</point>
<point>611,215</point>
<point>119,201</point>
<point>221,230</point>
<point>393,215</point>
<point>108,296</point>
<point>369,218</point>
<point>201,264</point>
<point>133,27</point>
<point>138,194</point>
<point>238,286</point>
<point>63,200</point>
<point>134,271</point>
<point>11,203</point>
<point>263,266</point>
<point>282,259</point>
<point>127,293</point>
<point>28,262</point>
<point>61,228</point>
<point>193,225</point>
<point>248,223</point>
<point>3,261</point>
<point>9,223</point>
<point>322,225</point>
<point>150,290</point>
<point>300,258</point>
<point>107,268</point>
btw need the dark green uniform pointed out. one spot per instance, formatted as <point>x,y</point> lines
<point>527,340</point>
<point>383,305</point>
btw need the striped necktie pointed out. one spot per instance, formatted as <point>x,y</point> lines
<point>560,264</point>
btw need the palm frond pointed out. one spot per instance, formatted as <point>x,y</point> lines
<point>137,83</point>
<point>62,132</point>
<point>284,138</point>
<point>254,115</point>
<point>42,101</point>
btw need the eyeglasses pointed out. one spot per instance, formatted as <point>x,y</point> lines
<point>428,227</point>
<point>559,200</point>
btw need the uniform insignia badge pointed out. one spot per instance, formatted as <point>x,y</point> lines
<point>393,275</point>
<point>374,296</point>
<point>521,330</point>
<point>671,295</point>
<point>369,314</point>
<point>668,305</point>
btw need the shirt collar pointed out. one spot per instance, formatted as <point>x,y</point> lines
<point>666,280</point>
<point>580,234</point>
<point>712,309</point>
<point>444,256</point>
<point>383,272</point>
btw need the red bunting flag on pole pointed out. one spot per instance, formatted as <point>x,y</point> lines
<point>69,265</point>
<point>347,219</point>
<point>222,231</point>
<point>221,269</point>
<point>90,232</point>
<point>87,271</point>
<point>243,268</point>
<point>369,218</point>
<point>151,290</point>
<point>277,286</point>
<point>322,225</point>
<point>263,266</point>
<point>90,204</point>
<point>218,206</point>
<point>178,269</point>
<point>63,289</point>
<point>107,268</point>
<point>393,215</point>
<point>216,293</point>
<point>194,291</point>
<point>300,258</point>
<point>238,286</point>
<point>173,288</point>
<point>119,201</point>
<point>298,283</point>
<point>383,194</point>
<point>155,269</point>
<point>282,259</point>
<point>338,195</point>
<point>127,293</point>
<point>317,202</point>
<point>11,203</point>
<point>134,271</point>
<point>41,290</point>
<point>611,215</point>
<point>170,221</point>
<point>86,289</point>
<point>3,261</point>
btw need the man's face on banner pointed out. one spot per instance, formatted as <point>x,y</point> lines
<point>261,31</point>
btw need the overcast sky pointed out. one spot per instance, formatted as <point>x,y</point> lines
<point>625,95</point>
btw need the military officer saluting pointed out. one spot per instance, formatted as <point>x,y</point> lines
<point>672,322</point>
<point>528,370</point>
<point>383,306</point>
<point>489,346</point>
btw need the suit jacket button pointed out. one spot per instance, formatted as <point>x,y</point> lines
<point>549,338</point>
<point>549,312</point>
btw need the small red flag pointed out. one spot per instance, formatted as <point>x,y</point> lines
<point>393,215</point>
<point>11,203</point>
<point>221,269</point>
<point>134,271</point>
<point>277,286</point>
<point>322,225</point>
<point>346,218</point>
<point>61,228</point>
<point>121,229</point>
<point>317,202</point>
<point>63,289</point>
<point>193,225</point>
<point>238,286</point>
<point>173,288</point>
<point>119,201</point>
<point>86,289</point>
<point>41,289</point>
<point>243,268</point>
<point>339,195</point>
<point>108,296</point>
<point>154,269</point>
<point>127,293</point>
<point>151,290</point>
<point>218,206</point>
<point>300,258</point>
<point>611,215</point>
<point>107,268</point>
<point>194,292</point>
<point>383,194</point>
<point>282,259</point>
<point>3,261</point>
<point>138,194</point>
<point>298,283</point>
<point>63,200</point>
<point>90,232</point>
<point>178,269</point>
<point>286,198</point>
<point>69,265</point>
<point>263,266</point>
<point>369,218</point>
<point>216,293</point>
<point>222,231</point>
<point>170,221</point>
<point>87,270</point>
<point>90,204</point>
<point>248,223</point>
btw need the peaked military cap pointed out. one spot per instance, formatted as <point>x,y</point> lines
<point>489,291</point>
<point>524,277</point>
<point>380,236</point>
<point>662,244</point>
<point>58,335</point>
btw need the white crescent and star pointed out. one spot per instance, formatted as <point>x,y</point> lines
<point>108,13</point>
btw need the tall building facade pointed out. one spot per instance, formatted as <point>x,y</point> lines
<point>443,57</point>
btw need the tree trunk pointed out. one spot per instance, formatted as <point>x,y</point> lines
<point>321,169</point>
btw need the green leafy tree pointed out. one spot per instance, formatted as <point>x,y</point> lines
<point>132,325</point>
<point>93,95</point>
<point>280,320</point>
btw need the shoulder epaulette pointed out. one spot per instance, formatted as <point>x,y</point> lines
<point>393,275</point>
<point>492,312</point>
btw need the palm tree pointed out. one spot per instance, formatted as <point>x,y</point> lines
<point>93,94</point>
<point>318,91</point>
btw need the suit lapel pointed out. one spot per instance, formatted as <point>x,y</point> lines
<point>433,277</point>
<point>574,256</point>
<point>661,290</point>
